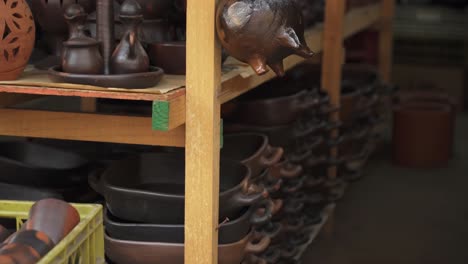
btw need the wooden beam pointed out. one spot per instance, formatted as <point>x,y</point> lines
<point>386,39</point>
<point>333,59</point>
<point>168,115</point>
<point>10,99</point>
<point>86,127</point>
<point>203,134</point>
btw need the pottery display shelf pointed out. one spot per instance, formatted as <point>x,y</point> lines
<point>198,106</point>
<point>168,96</point>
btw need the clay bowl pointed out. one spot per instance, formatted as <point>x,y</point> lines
<point>128,81</point>
<point>170,56</point>
<point>39,241</point>
<point>230,232</point>
<point>156,182</point>
<point>134,252</point>
<point>53,217</point>
<point>39,165</point>
<point>273,104</point>
<point>252,150</point>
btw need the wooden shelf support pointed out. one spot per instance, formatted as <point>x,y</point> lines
<point>386,39</point>
<point>202,134</point>
<point>333,59</point>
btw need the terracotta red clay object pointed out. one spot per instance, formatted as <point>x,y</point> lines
<point>17,35</point>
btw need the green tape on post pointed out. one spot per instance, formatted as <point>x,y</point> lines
<point>160,115</point>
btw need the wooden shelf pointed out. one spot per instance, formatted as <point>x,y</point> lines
<point>169,108</point>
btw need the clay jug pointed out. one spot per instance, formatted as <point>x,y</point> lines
<point>17,35</point>
<point>262,32</point>
<point>130,56</point>
<point>81,53</point>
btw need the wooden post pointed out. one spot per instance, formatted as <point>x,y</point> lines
<point>386,39</point>
<point>332,60</point>
<point>202,134</point>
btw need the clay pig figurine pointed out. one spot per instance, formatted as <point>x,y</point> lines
<point>262,32</point>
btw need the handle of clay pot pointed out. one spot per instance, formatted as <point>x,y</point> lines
<point>289,170</point>
<point>293,207</point>
<point>94,180</point>
<point>299,157</point>
<point>273,156</point>
<point>328,109</point>
<point>268,206</point>
<point>294,185</point>
<point>274,185</point>
<point>257,244</point>
<point>276,229</point>
<point>309,100</point>
<point>271,256</point>
<point>251,194</point>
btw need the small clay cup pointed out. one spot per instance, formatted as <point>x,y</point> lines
<point>54,217</point>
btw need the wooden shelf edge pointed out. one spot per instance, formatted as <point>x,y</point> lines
<point>87,127</point>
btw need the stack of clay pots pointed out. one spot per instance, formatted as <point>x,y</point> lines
<point>144,195</point>
<point>49,222</point>
<point>291,117</point>
<point>361,114</point>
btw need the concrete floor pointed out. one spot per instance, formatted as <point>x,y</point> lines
<point>403,216</point>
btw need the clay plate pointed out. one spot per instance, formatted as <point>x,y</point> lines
<point>128,81</point>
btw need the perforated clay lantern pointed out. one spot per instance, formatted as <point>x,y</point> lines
<point>262,32</point>
<point>17,34</point>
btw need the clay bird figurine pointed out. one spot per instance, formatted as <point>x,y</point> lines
<point>262,32</point>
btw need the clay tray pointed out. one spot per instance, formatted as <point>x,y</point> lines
<point>33,77</point>
<point>142,80</point>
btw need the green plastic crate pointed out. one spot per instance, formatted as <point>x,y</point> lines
<point>84,245</point>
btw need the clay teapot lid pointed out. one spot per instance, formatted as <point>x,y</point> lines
<point>130,8</point>
<point>73,11</point>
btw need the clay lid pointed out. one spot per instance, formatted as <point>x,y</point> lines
<point>73,11</point>
<point>130,8</point>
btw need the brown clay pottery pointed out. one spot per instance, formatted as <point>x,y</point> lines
<point>129,56</point>
<point>170,56</point>
<point>152,9</point>
<point>81,54</point>
<point>273,104</point>
<point>156,182</point>
<point>53,217</point>
<point>134,252</point>
<point>229,232</point>
<point>49,15</point>
<point>17,34</point>
<point>128,81</point>
<point>421,134</point>
<point>252,150</point>
<point>261,32</point>
<point>18,254</point>
<point>39,241</point>
<point>4,233</point>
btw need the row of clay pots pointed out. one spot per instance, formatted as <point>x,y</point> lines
<point>49,221</point>
<point>250,170</point>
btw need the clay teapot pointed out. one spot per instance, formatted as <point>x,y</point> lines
<point>262,32</point>
<point>81,54</point>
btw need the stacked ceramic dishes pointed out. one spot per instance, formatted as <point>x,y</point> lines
<point>288,115</point>
<point>361,112</point>
<point>33,171</point>
<point>144,219</point>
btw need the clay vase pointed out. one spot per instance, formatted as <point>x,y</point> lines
<point>262,32</point>
<point>81,54</point>
<point>49,15</point>
<point>130,56</point>
<point>53,217</point>
<point>17,35</point>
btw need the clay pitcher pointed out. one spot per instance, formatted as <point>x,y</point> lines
<point>262,32</point>
<point>130,56</point>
